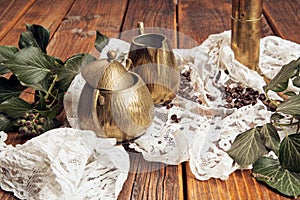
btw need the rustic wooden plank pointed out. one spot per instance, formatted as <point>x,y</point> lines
<point>239,186</point>
<point>148,180</point>
<point>199,19</point>
<point>9,18</point>
<point>284,18</point>
<point>77,31</point>
<point>158,17</point>
<point>46,13</point>
<point>157,181</point>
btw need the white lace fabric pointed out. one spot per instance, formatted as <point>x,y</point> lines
<point>64,163</point>
<point>76,162</point>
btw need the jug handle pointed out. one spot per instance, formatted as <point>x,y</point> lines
<point>96,98</point>
<point>140,26</point>
<point>129,64</point>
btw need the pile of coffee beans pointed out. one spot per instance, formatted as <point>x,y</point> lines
<point>186,87</point>
<point>237,97</point>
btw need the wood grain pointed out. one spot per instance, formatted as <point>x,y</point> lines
<point>149,180</point>
<point>157,181</point>
<point>284,18</point>
<point>77,31</point>
<point>9,18</point>
<point>158,17</point>
<point>199,19</point>
<point>46,13</point>
<point>239,186</point>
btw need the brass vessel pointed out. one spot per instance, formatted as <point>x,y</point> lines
<point>246,22</point>
<point>153,59</point>
<point>114,103</point>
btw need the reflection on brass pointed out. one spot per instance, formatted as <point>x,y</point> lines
<point>246,23</point>
<point>153,59</point>
<point>114,103</point>
<point>107,74</point>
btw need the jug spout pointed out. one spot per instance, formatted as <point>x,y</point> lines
<point>140,26</point>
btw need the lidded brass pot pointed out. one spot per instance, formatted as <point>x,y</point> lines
<point>114,102</point>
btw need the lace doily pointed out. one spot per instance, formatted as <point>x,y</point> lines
<point>64,163</point>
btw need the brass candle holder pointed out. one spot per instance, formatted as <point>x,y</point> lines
<point>246,24</point>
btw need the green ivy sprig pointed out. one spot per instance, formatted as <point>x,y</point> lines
<point>252,146</point>
<point>29,66</point>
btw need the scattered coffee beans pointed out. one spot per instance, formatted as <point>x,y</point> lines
<point>186,87</point>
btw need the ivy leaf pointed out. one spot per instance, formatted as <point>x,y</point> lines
<point>296,81</point>
<point>289,153</point>
<point>247,147</point>
<point>30,65</point>
<point>7,89</point>
<point>5,123</point>
<point>35,36</point>
<point>269,171</point>
<point>51,124</point>
<point>291,106</point>
<point>72,67</point>
<point>270,137</point>
<point>280,82</point>
<point>6,53</point>
<point>15,107</point>
<point>276,116</point>
<point>290,93</point>
<point>43,85</point>
<point>101,41</point>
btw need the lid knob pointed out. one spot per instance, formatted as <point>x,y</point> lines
<point>111,55</point>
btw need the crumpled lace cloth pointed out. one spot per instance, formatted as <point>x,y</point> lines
<point>64,163</point>
<point>206,131</point>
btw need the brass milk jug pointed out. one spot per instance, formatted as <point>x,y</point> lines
<point>153,59</point>
<point>114,103</point>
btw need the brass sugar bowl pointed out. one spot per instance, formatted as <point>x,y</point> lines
<point>114,103</point>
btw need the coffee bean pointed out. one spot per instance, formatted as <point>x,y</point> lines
<point>229,99</point>
<point>170,105</point>
<point>228,105</point>
<point>262,97</point>
<point>173,117</point>
<point>234,95</point>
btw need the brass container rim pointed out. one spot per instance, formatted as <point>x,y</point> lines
<point>163,39</point>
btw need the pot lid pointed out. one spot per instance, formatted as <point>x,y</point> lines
<point>107,74</point>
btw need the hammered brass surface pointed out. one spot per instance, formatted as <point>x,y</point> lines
<point>153,59</point>
<point>107,74</point>
<point>122,114</point>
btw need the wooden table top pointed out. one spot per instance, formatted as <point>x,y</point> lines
<point>73,23</point>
